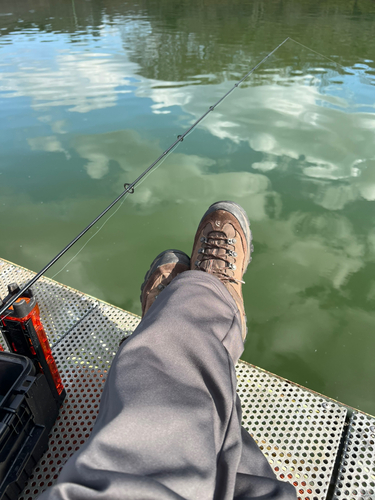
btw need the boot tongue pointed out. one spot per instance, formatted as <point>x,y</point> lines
<point>229,230</point>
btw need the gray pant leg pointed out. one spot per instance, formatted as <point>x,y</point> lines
<point>169,419</point>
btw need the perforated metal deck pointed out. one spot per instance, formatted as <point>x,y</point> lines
<point>298,430</point>
<point>356,479</point>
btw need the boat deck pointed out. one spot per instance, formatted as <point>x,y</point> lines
<point>324,448</point>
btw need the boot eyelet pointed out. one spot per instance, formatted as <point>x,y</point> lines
<point>201,250</point>
<point>203,240</point>
<point>232,266</point>
<point>232,253</point>
<point>197,263</point>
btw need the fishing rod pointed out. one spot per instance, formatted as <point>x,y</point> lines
<point>15,294</point>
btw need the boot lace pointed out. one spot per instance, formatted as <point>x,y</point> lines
<point>218,240</point>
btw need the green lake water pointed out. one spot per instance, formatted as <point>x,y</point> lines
<point>91,92</point>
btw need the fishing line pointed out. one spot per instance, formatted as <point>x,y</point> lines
<point>318,53</point>
<point>129,188</point>
<point>329,59</point>
<point>91,237</point>
<point>105,222</point>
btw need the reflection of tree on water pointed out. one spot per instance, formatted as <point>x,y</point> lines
<point>217,38</point>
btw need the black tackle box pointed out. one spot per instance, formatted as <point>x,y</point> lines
<point>28,411</point>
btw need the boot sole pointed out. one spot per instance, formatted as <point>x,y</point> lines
<point>167,257</point>
<point>239,213</point>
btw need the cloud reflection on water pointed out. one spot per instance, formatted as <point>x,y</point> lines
<point>283,119</point>
<point>50,144</point>
<point>133,154</point>
<point>78,79</point>
<point>305,257</point>
<point>330,141</point>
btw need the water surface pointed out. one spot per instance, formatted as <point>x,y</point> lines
<point>91,92</point>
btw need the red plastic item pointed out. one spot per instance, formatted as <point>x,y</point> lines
<point>34,315</point>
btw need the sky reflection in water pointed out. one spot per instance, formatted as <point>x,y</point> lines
<point>294,146</point>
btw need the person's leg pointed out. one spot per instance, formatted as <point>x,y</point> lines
<point>222,247</point>
<point>168,425</point>
<point>169,419</point>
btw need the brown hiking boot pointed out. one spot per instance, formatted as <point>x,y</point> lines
<point>163,269</point>
<point>222,247</point>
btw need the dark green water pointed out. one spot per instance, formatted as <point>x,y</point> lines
<point>91,92</point>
